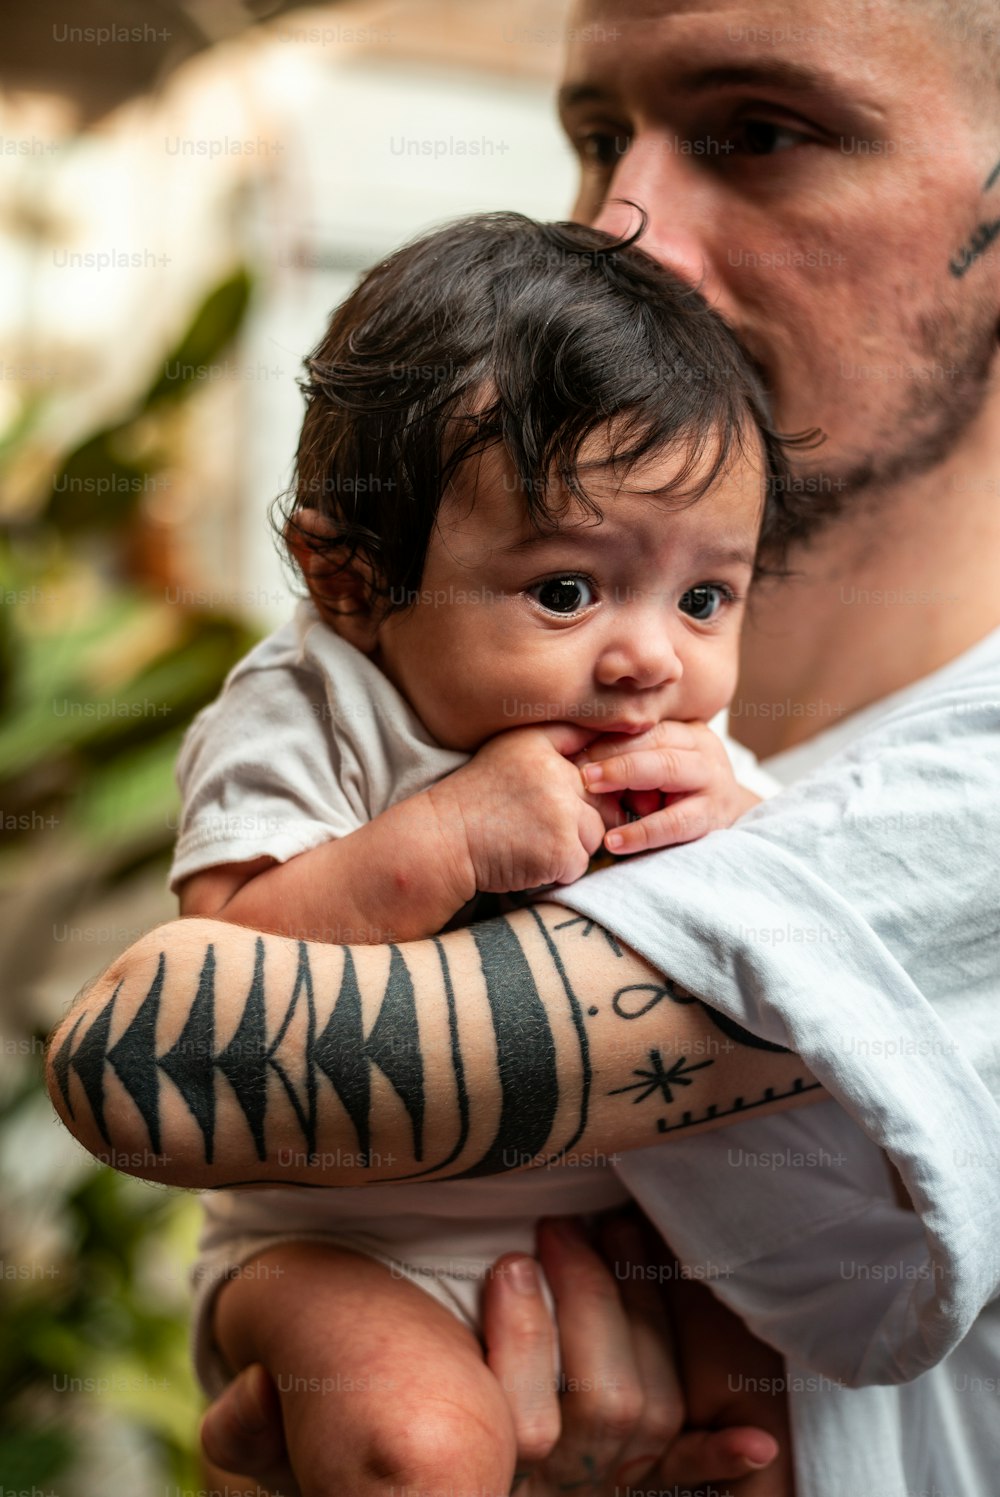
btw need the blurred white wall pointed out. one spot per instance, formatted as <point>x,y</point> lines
<point>305,148</point>
<point>379,153</point>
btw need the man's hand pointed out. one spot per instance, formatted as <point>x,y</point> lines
<point>519,811</point>
<point>677,779</point>
<point>615,1420</point>
<point>242,1432</point>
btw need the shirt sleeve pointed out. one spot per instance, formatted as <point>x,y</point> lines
<point>853,919</point>
<point>262,775</point>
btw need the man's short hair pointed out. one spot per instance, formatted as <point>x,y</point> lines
<point>973,26</point>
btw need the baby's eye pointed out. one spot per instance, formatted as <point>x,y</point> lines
<point>704,601</point>
<point>564,595</point>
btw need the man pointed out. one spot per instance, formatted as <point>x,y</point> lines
<point>828,174</point>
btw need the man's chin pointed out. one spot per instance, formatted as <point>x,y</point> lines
<point>924,432</point>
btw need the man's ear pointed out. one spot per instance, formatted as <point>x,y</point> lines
<point>339,585</point>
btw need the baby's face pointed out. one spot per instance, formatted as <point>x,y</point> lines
<point>612,626</point>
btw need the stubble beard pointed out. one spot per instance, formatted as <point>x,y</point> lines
<point>936,415</point>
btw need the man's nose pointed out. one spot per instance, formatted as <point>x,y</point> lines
<point>681,232</point>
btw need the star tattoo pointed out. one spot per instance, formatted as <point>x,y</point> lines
<point>659,1080</point>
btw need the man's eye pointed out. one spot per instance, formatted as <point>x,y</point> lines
<point>704,601</point>
<point>764,137</point>
<point>563,595</point>
<point>602,148</point>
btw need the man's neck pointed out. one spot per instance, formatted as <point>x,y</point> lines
<point>881,597</point>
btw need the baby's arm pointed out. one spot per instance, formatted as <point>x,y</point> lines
<point>516,816</point>
<point>677,780</point>
<point>395,879</point>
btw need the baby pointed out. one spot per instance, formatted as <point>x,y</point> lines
<point>532,479</point>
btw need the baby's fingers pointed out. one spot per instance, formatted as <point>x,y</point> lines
<point>674,769</point>
<point>684,821</point>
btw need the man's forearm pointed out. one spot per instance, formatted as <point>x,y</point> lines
<point>208,1055</point>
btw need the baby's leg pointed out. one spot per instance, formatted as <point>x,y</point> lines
<point>384,1393</point>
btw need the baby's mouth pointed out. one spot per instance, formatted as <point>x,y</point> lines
<point>632,729</point>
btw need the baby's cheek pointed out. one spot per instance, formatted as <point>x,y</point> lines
<point>714,680</point>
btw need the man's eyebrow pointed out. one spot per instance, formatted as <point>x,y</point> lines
<point>772,70</point>
<point>775,72</point>
<point>572,94</point>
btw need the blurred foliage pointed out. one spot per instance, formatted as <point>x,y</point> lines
<point>99,676</point>
<point>87,1325</point>
<point>99,483</point>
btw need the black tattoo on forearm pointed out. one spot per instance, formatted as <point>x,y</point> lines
<point>713,1112</point>
<point>526,1052</point>
<point>526,1055</point>
<point>588,927</point>
<point>340,1053</point>
<point>628,1007</point>
<point>284,1073</point>
<point>190,1062</point>
<point>576,1016</point>
<point>458,1068</point>
<point>658,1080</point>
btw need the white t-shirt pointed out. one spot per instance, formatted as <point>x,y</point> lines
<point>855,919</point>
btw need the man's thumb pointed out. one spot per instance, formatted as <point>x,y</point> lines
<point>242,1430</point>
<point>700,1456</point>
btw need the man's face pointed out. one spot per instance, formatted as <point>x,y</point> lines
<point>818,169</point>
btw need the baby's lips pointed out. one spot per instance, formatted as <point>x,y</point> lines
<point>614,812</point>
<point>643,802</point>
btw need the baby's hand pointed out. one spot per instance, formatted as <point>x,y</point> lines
<point>518,815</point>
<point>678,780</point>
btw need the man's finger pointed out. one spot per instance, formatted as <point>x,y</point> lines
<point>627,1252</point>
<point>707,1456</point>
<point>602,1394</point>
<point>521,1353</point>
<point>242,1432</point>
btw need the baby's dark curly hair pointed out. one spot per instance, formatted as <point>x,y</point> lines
<point>539,336</point>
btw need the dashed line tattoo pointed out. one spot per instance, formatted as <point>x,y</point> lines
<point>713,1112</point>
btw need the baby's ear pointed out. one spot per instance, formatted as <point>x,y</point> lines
<point>339,584</point>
